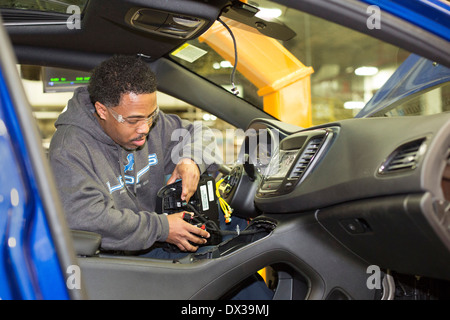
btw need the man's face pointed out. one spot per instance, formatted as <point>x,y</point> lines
<point>131,107</point>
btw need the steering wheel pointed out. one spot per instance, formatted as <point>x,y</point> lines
<point>240,183</point>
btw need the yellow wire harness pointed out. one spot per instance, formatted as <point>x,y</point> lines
<point>227,210</point>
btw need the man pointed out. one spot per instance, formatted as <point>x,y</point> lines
<point>112,152</point>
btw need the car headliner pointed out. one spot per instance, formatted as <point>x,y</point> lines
<point>104,30</point>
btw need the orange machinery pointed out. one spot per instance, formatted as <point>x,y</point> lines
<point>282,80</point>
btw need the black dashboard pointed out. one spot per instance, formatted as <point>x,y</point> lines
<point>380,186</point>
<point>324,204</point>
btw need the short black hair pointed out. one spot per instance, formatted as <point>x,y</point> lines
<point>119,75</point>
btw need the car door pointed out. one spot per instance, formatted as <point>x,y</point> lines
<point>37,259</point>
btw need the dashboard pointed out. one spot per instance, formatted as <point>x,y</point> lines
<point>292,161</point>
<point>380,186</point>
<point>324,204</point>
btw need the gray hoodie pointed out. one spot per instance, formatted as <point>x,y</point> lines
<point>112,191</point>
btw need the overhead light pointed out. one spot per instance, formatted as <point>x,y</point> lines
<point>225,64</point>
<point>222,64</point>
<point>366,71</point>
<point>266,13</point>
<point>354,104</point>
<point>209,117</point>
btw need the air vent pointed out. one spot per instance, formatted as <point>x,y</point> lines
<point>404,158</point>
<point>306,157</point>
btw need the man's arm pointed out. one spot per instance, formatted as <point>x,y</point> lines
<point>89,205</point>
<point>189,173</point>
<point>193,149</point>
<point>183,234</point>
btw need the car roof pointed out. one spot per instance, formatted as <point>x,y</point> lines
<point>107,28</point>
<point>431,15</point>
<point>125,27</point>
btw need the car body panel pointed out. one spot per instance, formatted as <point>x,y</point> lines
<point>432,15</point>
<point>29,259</point>
<point>36,248</point>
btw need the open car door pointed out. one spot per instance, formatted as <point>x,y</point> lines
<point>37,260</point>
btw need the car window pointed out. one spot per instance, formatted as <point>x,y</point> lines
<point>60,6</point>
<point>346,66</point>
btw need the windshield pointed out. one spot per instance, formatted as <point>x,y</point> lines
<point>418,87</point>
<point>429,101</point>
<point>326,72</point>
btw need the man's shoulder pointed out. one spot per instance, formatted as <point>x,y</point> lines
<point>71,134</point>
<point>70,139</point>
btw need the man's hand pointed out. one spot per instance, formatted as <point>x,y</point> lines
<point>186,170</point>
<point>181,233</point>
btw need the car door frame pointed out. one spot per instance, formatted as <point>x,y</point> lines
<point>37,166</point>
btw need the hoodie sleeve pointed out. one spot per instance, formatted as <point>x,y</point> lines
<point>89,205</point>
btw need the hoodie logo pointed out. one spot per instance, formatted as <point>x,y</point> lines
<point>129,179</point>
<point>130,164</point>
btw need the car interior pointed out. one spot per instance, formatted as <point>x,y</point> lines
<point>324,202</point>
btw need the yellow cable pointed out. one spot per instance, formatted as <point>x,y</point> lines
<point>227,210</point>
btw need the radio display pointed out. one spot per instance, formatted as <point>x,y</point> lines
<point>280,164</point>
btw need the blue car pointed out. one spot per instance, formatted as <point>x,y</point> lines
<point>333,121</point>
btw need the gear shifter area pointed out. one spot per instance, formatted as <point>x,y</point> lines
<point>257,229</point>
